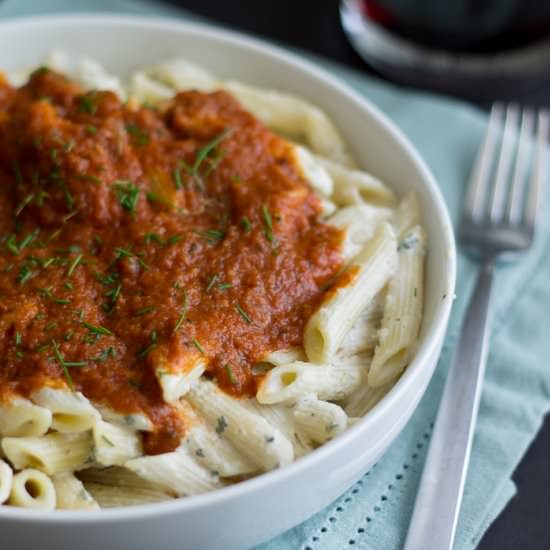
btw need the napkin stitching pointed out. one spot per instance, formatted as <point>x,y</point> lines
<point>340,507</point>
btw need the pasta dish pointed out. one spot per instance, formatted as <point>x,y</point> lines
<point>197,285</point>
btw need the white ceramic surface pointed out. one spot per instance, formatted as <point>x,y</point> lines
<point>256,510</point>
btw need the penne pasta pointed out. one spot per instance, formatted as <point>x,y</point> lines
<point>114,445</point>
<point>71,411</point>
<point>71,493</point>
<point>111,496</point>
<point>21,418</point>
<point>359,223</point>
<point>289,383</point>
<point>403,312</point>
<point>6,481</point>
<point>32,489</point>
<point>370,270</point>
<point>175,472</point>
<point>320,420</point>
<point>251,434</point>
<point>52,453</point>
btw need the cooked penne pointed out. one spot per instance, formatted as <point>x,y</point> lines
<point>176,384</point>
<point>72,412</point>
<point>111,496</point>
<point>369,271</point>
<point>406,215</point>
<point>289,383</point>
<point>314,172</point>
<point>32,489</point>
<point>175,472</point>
<point>320,420</point>
<point>402,313</point>
<point>355,186</point>
<point>114,476</point>
<point>52,453</point>
<point>280,416</point>
<point>216,453</point>
<point>71,493</point>
<point>114,445</point>
<point>251,434</point>
<point>359,222</point>
<point>133,421</point>
<point>6,480</point>
<point>20,418</point>
<point>362,400</point>
<point>362,337</point>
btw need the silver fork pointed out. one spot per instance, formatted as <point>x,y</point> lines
<point>498,222</point>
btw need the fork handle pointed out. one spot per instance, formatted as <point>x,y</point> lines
<point>433,524</point>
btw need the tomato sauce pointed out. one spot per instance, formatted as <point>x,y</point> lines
<point>135,239</point>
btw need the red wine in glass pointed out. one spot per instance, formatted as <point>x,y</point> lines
<point>473,26</point>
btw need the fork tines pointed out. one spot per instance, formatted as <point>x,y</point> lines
<point>506,198</point>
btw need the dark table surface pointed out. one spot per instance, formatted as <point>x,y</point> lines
<point>314,25</point>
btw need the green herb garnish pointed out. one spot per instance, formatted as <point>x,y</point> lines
<point>127,194</point>
<point>243,313</point>
<point>98,329</point>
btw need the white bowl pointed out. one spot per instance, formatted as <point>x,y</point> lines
<point>248,513</point>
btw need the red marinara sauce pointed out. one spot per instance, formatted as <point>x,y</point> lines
<point>133,238</point>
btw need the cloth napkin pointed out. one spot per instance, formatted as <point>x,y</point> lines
<point>375,513</point>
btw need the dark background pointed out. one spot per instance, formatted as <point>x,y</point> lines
<point>315,26</point>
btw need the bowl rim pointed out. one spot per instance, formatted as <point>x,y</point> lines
<point>432,338</point>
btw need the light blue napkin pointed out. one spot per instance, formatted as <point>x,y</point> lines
<point>374,514</point>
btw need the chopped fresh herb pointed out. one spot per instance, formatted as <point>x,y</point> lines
<point>17,338</point>
<point>211,283</point>
<point>88,103</point>
<point>107,440</point>
<point>65,365</point>
<point>11,244</point>
<point>177,178</point>
<point>140,136</point>
<point>197,344</point>
<point>90,178</point>
<point>144,311</point>
<point>68,285</point>
<point>154,197</point>
<point>105,354</point>
<point>91,129</point>
<point>203,153</point>
<point>231,374</point>
<point>61,301</point>
<point>145,351</point>
<point>74,264</point>
<point>19,354</point>
<point>50,326</point>
<point>125,253</point>
<point>174,239</point>
<point>27,200</point>
<point>243,313</point>
<point>224,286</point>
<point>183,313</point>
<point>269,438</point>
<point>127,194</point>
<point>212,235</point>
<point>98,329</point>
<point>247,226</point>
<point>25,273</point>
<point>221,425</point>
<point>69,146</point>
<point>153,238</point>
<point>268,230</point>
